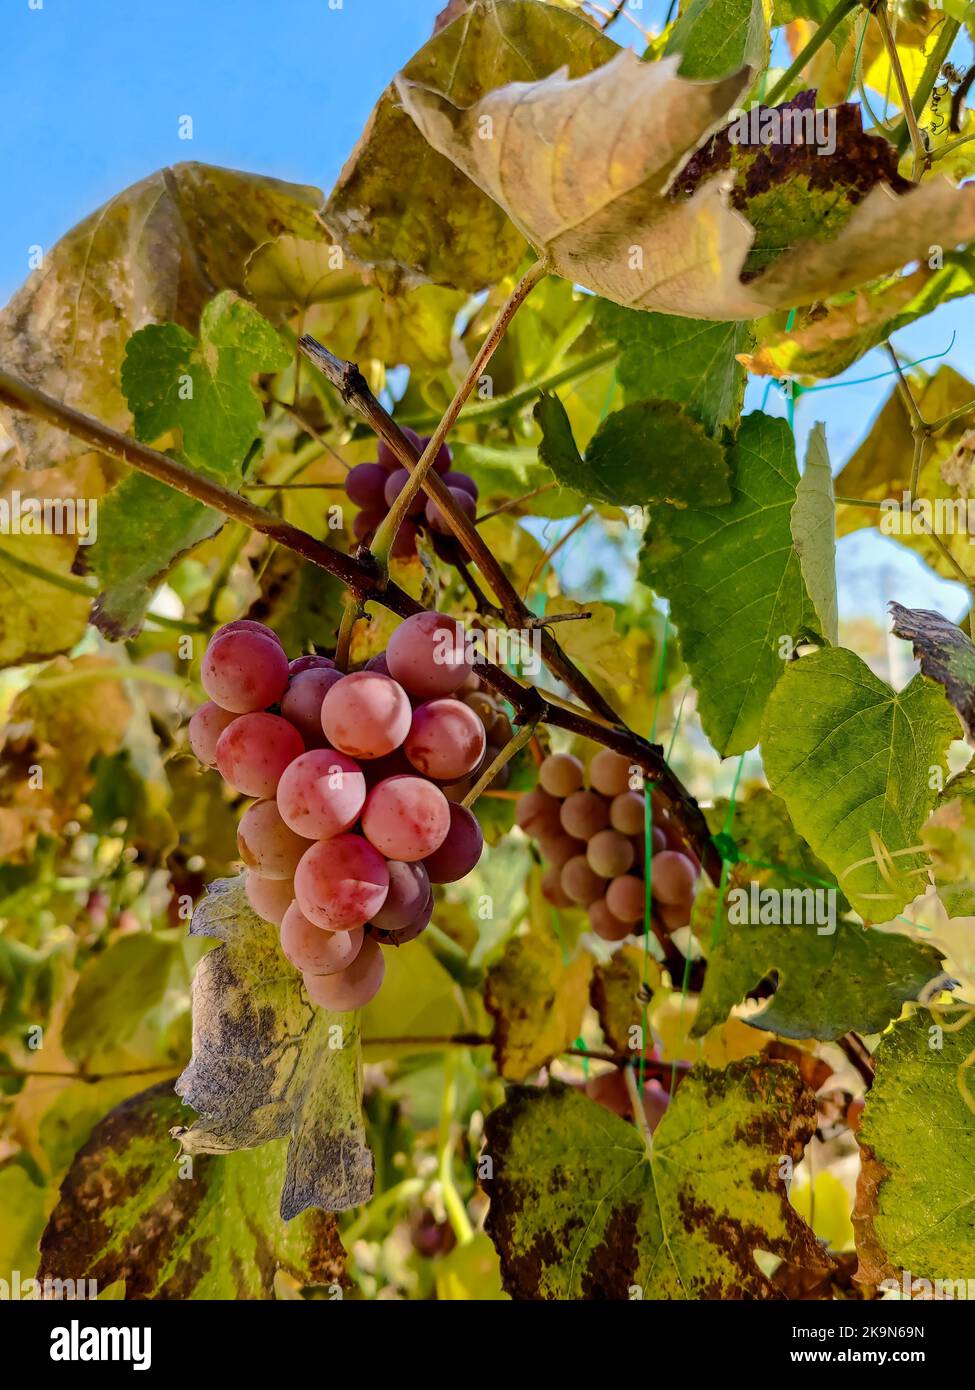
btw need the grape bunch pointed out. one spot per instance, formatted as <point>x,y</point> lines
<point>351,827</point>
<point>592,840</point>
<point>374,487</point>
<point>491,711</point>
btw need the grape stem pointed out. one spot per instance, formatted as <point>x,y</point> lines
<point>524,735</point>
<point>361,576</point>
<point>351,613</point>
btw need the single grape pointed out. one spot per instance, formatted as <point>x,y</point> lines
<point>352,987</point>
<point>341,883</point>
<point>584,814</point>
<point>408,933</point>
<point>428,654</point>
<point>267,845</point>
<point>674,877</point>
<point>377,663</point>
<point>503,775</point>
<point>460,850</point>
<point>366,714</point>
<point>302,701</point>
<point>404,542</point>
<point>205,727</point>
<point>406,818</point>
<point>482,703</point>
<point>462,481</point>
<point>658,840</point>
<point>409,888</point>
<point>269,897</point>
<point>247,625</point>
<point>609,853</point>
<point>609,773</point>
<point>444,457</point>
<point>625,898</point>
<point>437,519</point>
<point>456,791</point>
<point>560,774</point>
<point>321,794</point>
<point>394,485</point>
<point>388,459</point>
<point>579,881</point>
<point>314,951</point>
<point>364,485</point>
<point>366,523</point>
<point>254,751</point>
<point>559,849</point>
<point>445,740</point>
<point>501,731</point>
<point>539,815</point>
<point>604,924</point>
<point>310,663</point>
<point>395,764</point>
<point>552,890</point>
<point>244,671</point>
<point>673,915</point>
<point>626,813</point>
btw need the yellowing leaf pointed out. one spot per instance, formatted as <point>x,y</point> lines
<point>537,1003</point>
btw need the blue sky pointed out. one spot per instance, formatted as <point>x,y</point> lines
<point>91,101</point>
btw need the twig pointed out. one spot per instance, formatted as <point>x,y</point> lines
<point>907,105</point>
<point>515,502</point>
<point>559,618</point>
<point>832,21</point>
<point>518,740</point>
<point>549,555</point>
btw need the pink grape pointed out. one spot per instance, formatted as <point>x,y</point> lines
<point>559,849</point>
<point>437,519</point>
<point>395,764</point>
<point>673,877</point>
<point>364,485</point>
<point>625,898</point>
<point>428,655</point>
<point>205,727</point>
<point>269,897</point>
<point>446,740</point>
<point>366,714</point>
<point>461,848</point>
<point>560,774</point>
<point>609,773</point>
<point>244,671</point>
<point>604,924</point>
<point>409,888</point>
<point>314,951</point>
<point>310,663</point>
<point>443,458</point>
<point>247,625</point>
<point>321,794</point>
<point>254,751</point>
<point>609,853</point>
<point>341,883</point>
<point>302,701</point>
<point>579,881</point>
<point>366,523</point>
<point>552,890</point>
<point>406,818</point>
<point>584,814</point>
<point>377,663</point>
<point>388,459</point>
<point>658,840</point>
<point>352,987</point>
<point>462,481</point>
<point>267,845</point>
<point>407,933</point>
<point>626,813</point>
<point>539,815</point>
<point>395,483</point>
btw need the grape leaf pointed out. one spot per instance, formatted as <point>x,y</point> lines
<point>613,994</point>
<point>115,992</point>
<point>690,361</point>
<point>714,37</point>
<point>128,1212</point>
<point>734,582</point>
<point>915,1203</point>
<point>813,523</point>
<point>268,1064</point>
<point>854,761</point>
<point>157,251</point>
<point>826,983</point>
<point>667,233</point>
<point>24,1204</point>
<point>946,655</point>
<point>949,838</point>
<point>536,1001</point>
<point>579,1210</point>
<point>446,230</point>
<point>649,451</point>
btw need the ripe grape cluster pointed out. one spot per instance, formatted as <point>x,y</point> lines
<point>592,840</point>
<point>352,826</point>
<point>374,487</point>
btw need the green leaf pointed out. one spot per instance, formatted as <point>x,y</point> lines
<point>946,655</point>
<point>856,764</point>
<point>832,975</point>
<point>813,523</point>
<point>949,838</point>
<point>915,1206</point>
<point>649,451</point>
<point>690,361</point>
<point>146,527</point>
<point>536,1001</point>
<point>734,582</point>
<point>175,1230</point>
<point>24,1205</point>
<point>579,1210</point>
<point>447,230</point>
<point>511,471</point>
<point>785,11</point>
<point>268,1064</point>
<point>715,37</point>
<point>203,389</point>
<point>115,992</point>
<point>156,252</point>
